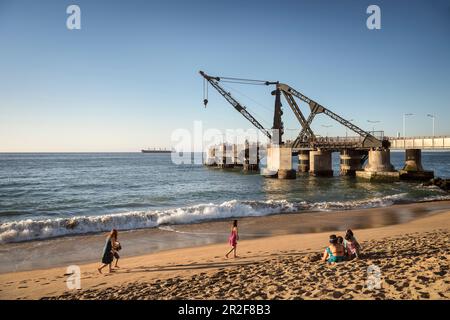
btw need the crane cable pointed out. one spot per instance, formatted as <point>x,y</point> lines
<point>237,81</point>
<point>234,80</point>
<point>248,97</point>
<point>205,92</point>
<point>243,82</point>
<point>246,81</point>
<point>261,119</point>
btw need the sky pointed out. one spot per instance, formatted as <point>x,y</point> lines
<point>129,77</point>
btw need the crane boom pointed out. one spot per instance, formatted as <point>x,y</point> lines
<point>214,81</point>
<point>316,108</point>
<point>300,117</point>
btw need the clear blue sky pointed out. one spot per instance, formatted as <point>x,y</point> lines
<point>129,77</point>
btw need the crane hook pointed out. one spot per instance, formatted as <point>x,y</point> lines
<point>205,92</point>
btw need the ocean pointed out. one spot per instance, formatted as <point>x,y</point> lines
<point>47,195</point>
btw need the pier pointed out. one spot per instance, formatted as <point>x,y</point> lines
<point>365,156</point>
<point>424,143</point>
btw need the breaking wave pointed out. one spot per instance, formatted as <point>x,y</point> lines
<point>33,229</point>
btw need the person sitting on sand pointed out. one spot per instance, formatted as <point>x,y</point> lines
<point>232,240</point>
<point>108,251</point>
<point>334,252</point>
<point>340,241</point>
<point>352,246</point>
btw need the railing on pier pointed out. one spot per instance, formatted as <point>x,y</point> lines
<point>336,143</point>
<point>427,143</point>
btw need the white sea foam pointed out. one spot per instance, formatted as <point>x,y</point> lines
<point>437,198</point>
<point>359,204</point>
<point>29,229</point>
<point>23,230</point>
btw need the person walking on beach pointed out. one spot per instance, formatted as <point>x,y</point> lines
<point>232,240</point>
<point>108,251</point>
<point>335,252</point>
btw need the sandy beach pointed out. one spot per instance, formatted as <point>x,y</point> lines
<point>144,144</point>
<point>412,258</point>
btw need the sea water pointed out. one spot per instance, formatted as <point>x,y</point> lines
<point>47,195</point>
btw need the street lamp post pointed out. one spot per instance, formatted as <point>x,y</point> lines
<point>373,127</point>
<point>432,117</point>
<point>404,122</point>
<point>327,126</point>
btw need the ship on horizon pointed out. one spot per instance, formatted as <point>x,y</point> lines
<point>156,150</point>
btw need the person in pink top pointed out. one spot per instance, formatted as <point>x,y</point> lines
<point>233,239</point>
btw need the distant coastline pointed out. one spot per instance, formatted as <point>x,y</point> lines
<point>156,151</point>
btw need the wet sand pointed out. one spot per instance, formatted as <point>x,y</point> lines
<point>412,256</point>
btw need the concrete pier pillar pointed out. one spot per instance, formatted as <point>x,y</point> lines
<point>251,157</point>
<point>413,160</point>
<point>236,155</point>
<point>350,162</point>
<point>413,169</point>
<point>287,174</point>
<point>248,167</point>
<point>279,163</point>
<point>379,167</point>
<point>211,157</point>
<point>224,158</point>
<point>303,161</point>
<point>379,161</point>
<point>320,163</point>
